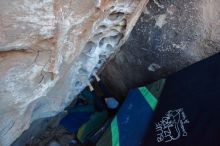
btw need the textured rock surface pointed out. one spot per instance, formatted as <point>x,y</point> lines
<point>49,49</point>
<point>168,36</point>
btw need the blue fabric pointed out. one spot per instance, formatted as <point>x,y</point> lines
<point>133,118</point>
<point>80,114</point>
<point>190,100</point>
<point>88,96</point>
<point>73,121</point>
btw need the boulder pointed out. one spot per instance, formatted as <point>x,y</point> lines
<point>48,51</point>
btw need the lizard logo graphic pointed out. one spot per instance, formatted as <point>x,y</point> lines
<point>171,127</point>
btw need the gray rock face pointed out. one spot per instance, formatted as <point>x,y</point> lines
<point>168,36</point>
<point>48,51</point>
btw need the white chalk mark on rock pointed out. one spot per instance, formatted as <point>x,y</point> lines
<point>161,20</point>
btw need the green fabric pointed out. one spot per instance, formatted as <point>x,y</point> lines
<point>151,100</point>
<point>156,88</point>
<point>106,139</point>
<point>115,132</point>
<point>90,127</point>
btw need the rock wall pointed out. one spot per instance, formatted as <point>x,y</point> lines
<point>48,51</point>
<point>168,36</point>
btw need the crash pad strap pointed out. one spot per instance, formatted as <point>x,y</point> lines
<point>149,97</point>
<point>115,132</point>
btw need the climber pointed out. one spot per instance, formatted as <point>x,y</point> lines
<point>91,111</point>
<point>110,101</point>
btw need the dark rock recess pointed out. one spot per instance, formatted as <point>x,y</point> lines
<point>168,36</point>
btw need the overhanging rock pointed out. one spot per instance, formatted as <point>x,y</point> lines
<point>49,49</point>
